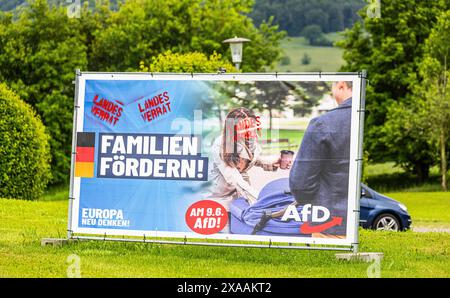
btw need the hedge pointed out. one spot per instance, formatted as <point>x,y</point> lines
<point>24,149</point>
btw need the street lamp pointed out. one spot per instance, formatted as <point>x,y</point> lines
<point>236,44</point>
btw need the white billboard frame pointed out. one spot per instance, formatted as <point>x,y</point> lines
<point>358,80</point>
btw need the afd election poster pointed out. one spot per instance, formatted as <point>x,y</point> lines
<point>262,157</point>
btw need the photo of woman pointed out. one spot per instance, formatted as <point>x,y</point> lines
<point>234,153</point>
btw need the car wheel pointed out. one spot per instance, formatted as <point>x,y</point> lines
<point>386,222</point>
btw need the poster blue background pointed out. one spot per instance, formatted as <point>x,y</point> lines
<point>157,205</point>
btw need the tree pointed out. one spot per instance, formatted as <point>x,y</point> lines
<point>404,131</point>
<point>312,33</point>
<point>390,49</point>
<point>306,59</point>
<point>336,19</point>
<point>294,15</point>
<point>94,19</point>
<point>41,47</point>
<point>315,36</point>
<point>272,96</point>
<point>39,53</point>
<point>308,96</point>
<point>142,29</point>
<point>435,90</point>
<point>187,63</point>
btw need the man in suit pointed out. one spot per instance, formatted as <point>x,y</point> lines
<point>319,174</point>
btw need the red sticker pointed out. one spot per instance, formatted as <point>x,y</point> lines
<point>206,217</point>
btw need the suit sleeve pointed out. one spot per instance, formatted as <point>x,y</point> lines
<point>305,175</point>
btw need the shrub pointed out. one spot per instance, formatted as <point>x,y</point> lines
<point>24,149</point>
<point>187,62</point>
<point>306,59</point>
<point>311,33</point>
<point>315,36</point>
<point>285,60</point>
<point>322,41</point>
<point>40,49</point>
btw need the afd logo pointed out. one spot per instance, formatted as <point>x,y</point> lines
<point>312,214</point>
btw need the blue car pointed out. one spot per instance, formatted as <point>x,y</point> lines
<point>379,212</point>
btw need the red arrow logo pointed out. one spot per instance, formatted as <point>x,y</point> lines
<point>306,228</point>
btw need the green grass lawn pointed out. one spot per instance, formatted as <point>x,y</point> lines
<point>295,137</point>
<point>388,177</point>
<point>335,36</point>
<point>427,205</point>
<point>25,223</point>
<point>297,123</point>
<point>386,168</point>
<point>427,209</point>
<point>322,58</point>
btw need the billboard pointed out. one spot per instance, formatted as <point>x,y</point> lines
<point>254,157</point>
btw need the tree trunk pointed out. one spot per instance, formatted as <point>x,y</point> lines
<point>422,170</point>
<point>443,142</point>
<point>443,135</point>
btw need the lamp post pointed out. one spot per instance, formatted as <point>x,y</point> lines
<point>236,44</point>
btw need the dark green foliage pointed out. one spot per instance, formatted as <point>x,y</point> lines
<point>39,54</point>
<point>309,95</point>
<point>24,149</point>
<point>41,47</point>
<point>187,63</point>
<point>306,59</point>
<point>322,41</point>
<point>311,33</point>
<point>315,36</point>
<point>391,48</point>
<point>432,96</point>
<point>294,15</point>
<point>128,36</point>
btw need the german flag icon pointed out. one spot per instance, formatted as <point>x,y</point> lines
<point>84,162</point>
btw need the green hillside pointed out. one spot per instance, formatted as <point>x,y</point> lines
<point>322,58</point>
